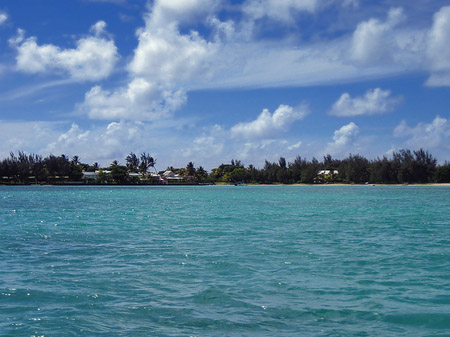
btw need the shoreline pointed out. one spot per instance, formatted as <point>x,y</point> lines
<point>348,185</point>
<point>226,184</point>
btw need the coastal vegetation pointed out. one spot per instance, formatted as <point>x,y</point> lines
<point>405,166</point>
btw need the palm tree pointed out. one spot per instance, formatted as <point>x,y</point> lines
<point>147,162</point>
<point>132,162</point>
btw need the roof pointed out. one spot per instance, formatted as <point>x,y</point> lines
<point>327,172</point>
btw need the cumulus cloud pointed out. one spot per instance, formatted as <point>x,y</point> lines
<point>110,141</point>
<point>164,60</point>
<point>268,124</point>
<point>439,49</point>
<point>99,28</point>
<point>140,100</point>
<point>375,101</point>
<point>113,141</point>
<point>166,55</point>
<point>100,143</point>
<point>434,135</point>
<point>93,58</point>
<point>3,17</point>
<point>344,140</point>
<point>372,40</point>
<point>174,59</point>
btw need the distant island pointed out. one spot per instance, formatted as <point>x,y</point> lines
<point>405,167</point>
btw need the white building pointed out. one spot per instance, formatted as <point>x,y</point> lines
<point>327,172</point>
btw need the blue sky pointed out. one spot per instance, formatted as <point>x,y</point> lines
<point>207,81</point>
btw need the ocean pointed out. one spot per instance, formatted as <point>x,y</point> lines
<point>224,261</point>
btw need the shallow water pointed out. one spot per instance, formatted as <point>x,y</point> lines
<point>225,261</point>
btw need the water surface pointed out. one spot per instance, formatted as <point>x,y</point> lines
<point>225,261</point>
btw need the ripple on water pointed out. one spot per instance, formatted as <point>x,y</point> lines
<point>256,261</point>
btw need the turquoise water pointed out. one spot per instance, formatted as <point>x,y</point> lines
<point>225,261</point>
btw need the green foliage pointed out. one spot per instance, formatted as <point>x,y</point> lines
<point>237,175</point>
<point>190,170</point>
<point>224,172</point>
<point>443,173</point>
<point>201,175</point>
<point>356,169</point>
<point>119,173</point>
<point>103,177</point>
<point>405,166</point>
<point>133,162</point>
<point>146,163</point>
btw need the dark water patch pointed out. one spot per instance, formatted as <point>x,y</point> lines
<point>430,320</point>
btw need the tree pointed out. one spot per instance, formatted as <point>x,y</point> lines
<point>190,170</point>
<point>423,166</point>
<point>103,177</point>
<point>443,173</point>
<point>24,164</point>
<point>282,171</point>
<point>327,162</point>
<point>356,169</point>
<point>201,174</point>
<point>402,162</point>
<point>309,174</point>
<point>296,168</point>
<point>147,162</point>
<point>119,173</point>
<point>382,171</point>
<point>132,162</point>
<point>238,175</point>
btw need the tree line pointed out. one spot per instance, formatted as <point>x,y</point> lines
<point>405,166</point>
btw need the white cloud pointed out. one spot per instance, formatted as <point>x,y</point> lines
<point>279,10</point>
<point>3,17</point>
<point>177,60</point>
<point>169,11</point>
<point>167,56</point>
<point>99,28</point>
<point>209,145</point>
<point>439,49</point>
<point>16,40</point>
<point>268,124</point>
<point>376,101</point>
<point>295,146</point>
<point>375,49</point>
<point>29,136</point>
<point>180,60</point>
<point>373,41</point>
<point>163,62</point>
<point>434,135</point>
<point>344,140</point>
<point>114,141</point>
<point>94,57</point>
<point>111,142</point>
<point>224,31</point>
<point>141,100</point>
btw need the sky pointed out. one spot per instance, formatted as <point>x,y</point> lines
<point>208,81</point>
